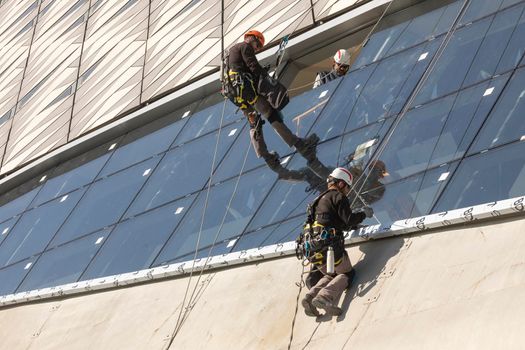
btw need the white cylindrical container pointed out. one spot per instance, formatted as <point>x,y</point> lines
<point>330,264</point>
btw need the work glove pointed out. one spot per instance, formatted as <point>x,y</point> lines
<point>369,212</point>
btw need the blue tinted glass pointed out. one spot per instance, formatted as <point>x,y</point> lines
<point>420,29</point>
<point>516,45</point>
<point>252,189</point>
<point>487,177</point>
<point>5,230</point>
<point>282,232</point>
<point>70,176</point>
<point>105,202</point>
<point>410,197</point>
<point>480,8</point>
<point>36,227</point>
<point>379,44</point>
<point>390,84</point>
<point>63,264</point>
<point>438,132</point>
<point>493,46</point>
<point>290,198</point>
<point>448,18</point>
<point>184,169</point>
<point>505,123</point>
<point>332,120</point>
<point>17,205</point>
<point>453,64</point>
<point>134,244</point>
<point>11,276</point>
<point>132,152</point>
<point>207,120</point>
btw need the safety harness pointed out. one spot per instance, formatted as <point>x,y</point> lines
<point>238,87</point>
<point>313,242</point>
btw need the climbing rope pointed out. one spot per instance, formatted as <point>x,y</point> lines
<point>414,93</point>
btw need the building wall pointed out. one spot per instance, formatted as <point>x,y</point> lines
<point>70,66</point>
<point>457,289</point>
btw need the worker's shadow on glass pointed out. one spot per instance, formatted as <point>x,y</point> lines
<point>370,269</point>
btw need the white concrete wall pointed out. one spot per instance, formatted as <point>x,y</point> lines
<point>463,288</point>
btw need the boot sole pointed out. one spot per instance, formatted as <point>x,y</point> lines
<point>309,309</point>
<point>329,309</point>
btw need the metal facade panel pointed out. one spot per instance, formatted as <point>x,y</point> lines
<point>326,8</point>
<point>184,40</point>
<point>16,31</point>
<point>44,108</point>
<point>112,63</point>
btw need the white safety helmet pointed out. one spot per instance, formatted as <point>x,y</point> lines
<point>341,174</point>
<point>342,57</point>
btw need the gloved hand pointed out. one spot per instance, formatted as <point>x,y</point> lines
<point>369,212</point>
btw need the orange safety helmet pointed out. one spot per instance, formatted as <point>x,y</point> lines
<point>258,35</point>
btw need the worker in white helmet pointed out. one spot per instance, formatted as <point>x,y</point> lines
<point>329,215</point>
<point>340,66</point>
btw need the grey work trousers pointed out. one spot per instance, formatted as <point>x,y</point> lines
<point>332,287</point>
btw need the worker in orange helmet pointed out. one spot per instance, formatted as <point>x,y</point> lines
<point>248,85</point>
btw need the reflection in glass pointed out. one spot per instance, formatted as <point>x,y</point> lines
<point>480,8</point>
<point>505,123</point>
<point>410,197</point>
<point>440,131</point>
<point>516,46</point>
<point>63,264</point>
<point>251,190</point>
<point>105,202</point>
<point>134,244</point>
<point>487,177</point>
<point>11,276</point>
<point>5,230</point>
<point>184,169</point>
<point>36,227</point>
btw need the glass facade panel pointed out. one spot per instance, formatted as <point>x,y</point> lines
<point>282,232</point>
<point>17,205</point>
<point>11,276</point>
<point>74,174</point>
<point>440,131</point>
<point>480,8</point>
<point>251,190</point>
<point>452,66</point>
<point>63,264</point>
<point>130,153</point>
<point>335,116</point>
<point>494,44</point>
<point>387,86</point>
<point>208,120</point>
<point>379,44</point>
<point>36,227</point>
<point>5,230</point>
<point>410,197</point>
<point>487,177</point>
<point>134,243</point>
<point>184,169</point>
<point>516,45</point>
<point>505,123</point>
<point>105,202</point>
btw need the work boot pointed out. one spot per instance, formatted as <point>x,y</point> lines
<point>325,304</point>
<point>307,147</point>
<point>309,309</point>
